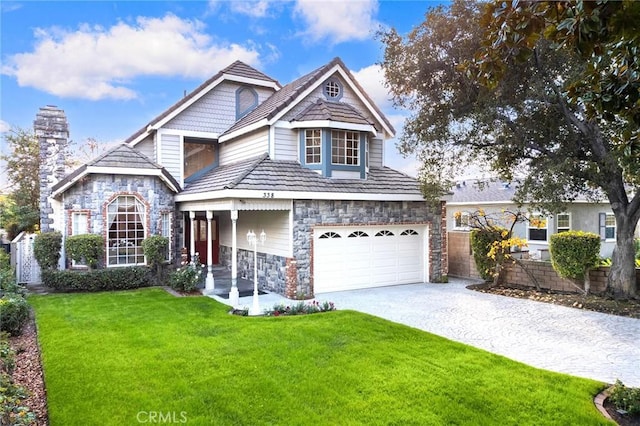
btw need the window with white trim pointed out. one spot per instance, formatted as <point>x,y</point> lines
<point>345,147</point>
<point>461,220</point>
<point>610,226</point>
<point>537,227</point>
<point>563,221</point>
<point>79,223</point>
<point>165,224</point>
<point>332,90</point>
<point>126,218</point>
<point>313,146</point>
<point>246,101</point>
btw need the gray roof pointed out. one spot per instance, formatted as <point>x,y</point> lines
<point>121,156</point>
<point>332,111</point>
<point>290,92</point>
<point>485,191</point>
<point>237,68</point>
<point>261,173</point>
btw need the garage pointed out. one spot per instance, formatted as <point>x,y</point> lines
<point>356,257</point>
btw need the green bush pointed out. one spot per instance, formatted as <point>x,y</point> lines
<point>186,277</point>
<point>625,398</point>
<point>573,253</point>
<point>46,248</point>
<point>481,241</point>
<point>86,249</point>
<point>155,250</point>
<point>5,260</point>
<point>14,313</point>
<point>98,280</point>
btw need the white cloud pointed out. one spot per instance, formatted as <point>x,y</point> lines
<point>372,80</point>
<point>337,21</point>
<point>4,126</point>
<point>95,63</point>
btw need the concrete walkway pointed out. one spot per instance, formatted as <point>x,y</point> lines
<point>557,338</point>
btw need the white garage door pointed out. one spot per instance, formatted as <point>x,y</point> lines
<point>348,258</point>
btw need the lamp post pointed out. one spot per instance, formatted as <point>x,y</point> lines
<point>253,241</point>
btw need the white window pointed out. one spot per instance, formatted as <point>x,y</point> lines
<point>537,227</point>
<point>461,220</point>
<point>313,146</point>
<point>345,147</point>
<point>333,90</point>
<point>564,222</point>
<point>609,226</point>
<point>79,223</point>
<point>126,219</point>
<point>165,223</point>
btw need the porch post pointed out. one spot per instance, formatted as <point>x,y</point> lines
<point>209,284</point>
<point>234,295</point>
<point>192,242</point>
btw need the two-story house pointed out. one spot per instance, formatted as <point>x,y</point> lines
<point>302,162</point>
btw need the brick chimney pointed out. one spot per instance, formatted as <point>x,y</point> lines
<point>52,130</point>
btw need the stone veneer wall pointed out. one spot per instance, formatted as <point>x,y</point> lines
<point>92,192</point>
<point>548,278</point>
<point>271,268</point>
<point>52,130</point>
<point>310,213</point>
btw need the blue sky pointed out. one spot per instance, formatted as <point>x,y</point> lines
<point>113,66</point>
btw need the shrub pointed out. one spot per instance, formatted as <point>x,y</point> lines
<point>300,308</point>
<point>46,248</point>
<point>481,243</point>
<point>5,260</point>
<point>574,253</point>
<point>12,412</point>
<point>125,278</point>
<point>155,249</point>
<point>186,277</point>
<point>14,313</point>
<point>85,249</point>
<point>625,398</point>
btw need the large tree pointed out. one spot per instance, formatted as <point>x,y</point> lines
<point>478,96</point>
<point>21,211</point>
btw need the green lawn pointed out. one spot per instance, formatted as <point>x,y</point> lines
<point>119,358</point>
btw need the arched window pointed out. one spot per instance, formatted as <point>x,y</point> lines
<point>246,101</point>
<point>330,235</point>
<point>409,232</point>
<point>125,221</point>
<point>357,234</point>
<point>384,233</point>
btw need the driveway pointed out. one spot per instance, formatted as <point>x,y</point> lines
<point>557,338</point>
<point>572,341</point>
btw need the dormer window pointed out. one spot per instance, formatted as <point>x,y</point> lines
<point>246,101</point>
<point>313,146</point>
<point>333,90</point>
<point>345,147</point>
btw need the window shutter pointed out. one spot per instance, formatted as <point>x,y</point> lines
<point>603,226</point>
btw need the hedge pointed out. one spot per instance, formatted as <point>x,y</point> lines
<point>14,313</point>
<point>573,253</point>
<point>99,280</point>
<point>46,249</point>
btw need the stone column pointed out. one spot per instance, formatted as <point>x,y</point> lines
<point>52,130</point>
<point>234,295</point>
<point>209,284</point>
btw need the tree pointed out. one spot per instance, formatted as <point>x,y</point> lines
<point>514,110</point>
<point>22,164</point>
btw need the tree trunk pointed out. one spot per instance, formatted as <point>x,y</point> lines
<point>621,283</point>
<point>587,282</point>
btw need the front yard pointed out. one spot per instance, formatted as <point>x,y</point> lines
<point>134,356</point>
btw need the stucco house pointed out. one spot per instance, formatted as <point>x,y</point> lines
<point>302,162</point>
<point>493,196</point>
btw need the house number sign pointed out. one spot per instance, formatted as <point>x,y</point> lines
<point>267,194</point>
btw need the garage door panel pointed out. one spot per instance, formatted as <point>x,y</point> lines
<point>383,257</point>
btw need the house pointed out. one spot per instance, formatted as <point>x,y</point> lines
<point>302,162</point>
<point>494,196</point>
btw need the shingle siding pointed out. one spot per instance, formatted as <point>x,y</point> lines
<point>214,112</point>
<point>376,153</point>
<point>148,148</point>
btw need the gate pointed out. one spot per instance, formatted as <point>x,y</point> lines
<point>27,268</point>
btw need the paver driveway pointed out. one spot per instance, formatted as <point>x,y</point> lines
<point>557,338</point>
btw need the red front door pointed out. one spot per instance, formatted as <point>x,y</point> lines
<point>201,239</point>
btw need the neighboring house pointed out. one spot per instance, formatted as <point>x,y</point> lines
<point>303,162</point>
<point>494,196</point>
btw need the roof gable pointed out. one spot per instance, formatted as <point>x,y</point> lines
<point>237,71</point>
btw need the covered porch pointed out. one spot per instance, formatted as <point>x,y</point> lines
<point>216,231</point>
